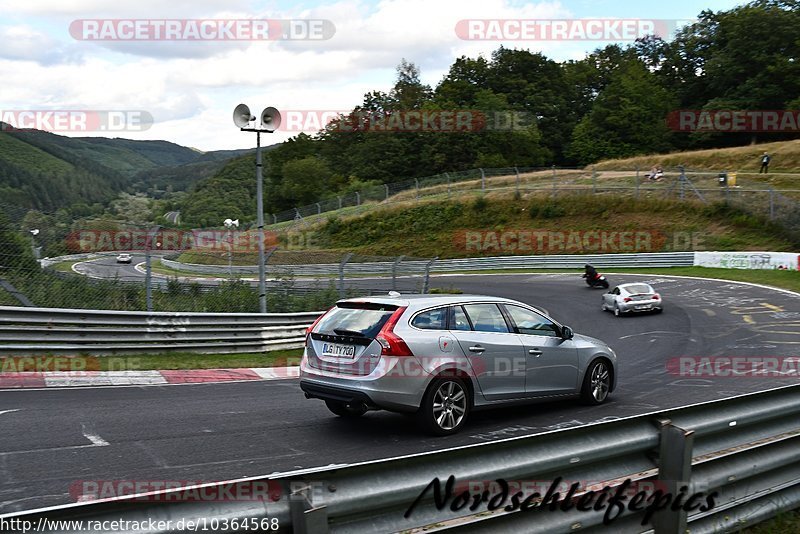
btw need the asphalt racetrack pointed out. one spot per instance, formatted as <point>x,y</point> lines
<point>51,440</point>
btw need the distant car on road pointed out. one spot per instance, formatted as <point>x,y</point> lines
<point>441,356</point>
<point>633,297</point>
<point>124,258</point>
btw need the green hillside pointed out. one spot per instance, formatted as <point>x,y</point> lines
<point>45,171</point>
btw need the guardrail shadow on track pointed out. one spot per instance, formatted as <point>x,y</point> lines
<point>741,449</point>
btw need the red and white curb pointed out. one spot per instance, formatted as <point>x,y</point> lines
<point>60,379</point>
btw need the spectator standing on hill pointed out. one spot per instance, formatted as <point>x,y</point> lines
<point>764,164</point>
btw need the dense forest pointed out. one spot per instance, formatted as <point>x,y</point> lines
<point>612,103</point>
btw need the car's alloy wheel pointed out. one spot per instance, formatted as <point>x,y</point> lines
<point>597,383</point>
<point>343,409</point>
<point>445,406</point>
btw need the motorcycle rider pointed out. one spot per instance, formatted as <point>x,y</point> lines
<point>589,272</point>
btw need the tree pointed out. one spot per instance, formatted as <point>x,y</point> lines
<point>627,118</point>
<point>305,180</point>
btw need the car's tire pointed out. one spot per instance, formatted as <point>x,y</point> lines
<point>343,409</point>
<point>659,310</point>
<point>596,383</point>
<point>616,310</point>
<point>445,406</point>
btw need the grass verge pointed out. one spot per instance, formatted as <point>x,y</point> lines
<point>166,361</point>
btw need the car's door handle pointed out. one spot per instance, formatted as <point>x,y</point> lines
<point>535,352</point>
<point>476,348</point>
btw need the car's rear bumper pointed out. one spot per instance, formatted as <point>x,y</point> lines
<point>390,389</point>
<point>640,306</point>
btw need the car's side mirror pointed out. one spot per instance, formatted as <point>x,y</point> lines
<point>567,333</point>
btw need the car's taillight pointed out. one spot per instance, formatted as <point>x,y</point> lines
<point>392,344</point>
<point>311,328</point>
<point>656,297</point>
<point>627,299</point>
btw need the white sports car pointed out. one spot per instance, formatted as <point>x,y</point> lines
<point>634,297</point>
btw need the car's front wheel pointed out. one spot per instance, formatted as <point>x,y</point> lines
<point>445,406</point>
<point>596,383</point>
<point>343,409</point>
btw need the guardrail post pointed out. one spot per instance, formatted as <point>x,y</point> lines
<point>341,273</point>
<point>394,271</point>
<point>516,170</point>
<point>427,280</point>
<point>674,472</point>
<point>483,180</point>
<point>306,518</point>
<point>319,209</point>
<point>386,187</point>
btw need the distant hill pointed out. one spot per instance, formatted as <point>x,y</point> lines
<point>46,171</point>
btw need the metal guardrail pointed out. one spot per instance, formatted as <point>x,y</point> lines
<point>742,448</point>
<point>26,330</point>
<point>564,261</point>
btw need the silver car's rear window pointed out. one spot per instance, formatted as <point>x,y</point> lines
<point>359,319</point>
<point>637,289</point>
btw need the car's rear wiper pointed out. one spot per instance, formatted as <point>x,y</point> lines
<point>346,332</point>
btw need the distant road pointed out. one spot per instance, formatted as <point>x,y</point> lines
<point>172,216</point>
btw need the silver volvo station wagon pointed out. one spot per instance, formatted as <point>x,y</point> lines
<point>442,356</point>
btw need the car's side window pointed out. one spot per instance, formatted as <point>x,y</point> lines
<point>458,319</point>
<point>486,318</point>
<point>531,323</point>
<point>616,291</point>
<point>431,320</point>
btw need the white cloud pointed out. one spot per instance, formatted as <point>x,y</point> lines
<point>191,88</point>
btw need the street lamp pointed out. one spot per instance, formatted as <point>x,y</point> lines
<point>270,121</point>
<point>230,224</point>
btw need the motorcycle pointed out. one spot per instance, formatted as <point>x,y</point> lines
<point>597,280</point>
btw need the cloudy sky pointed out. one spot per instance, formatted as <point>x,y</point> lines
<point>191,87</point>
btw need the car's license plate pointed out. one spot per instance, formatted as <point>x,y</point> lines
<point>643,307</point>
<point>339,351</point>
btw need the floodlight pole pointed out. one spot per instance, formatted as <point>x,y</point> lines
<point>270,121</point>
<point>262,277</point>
